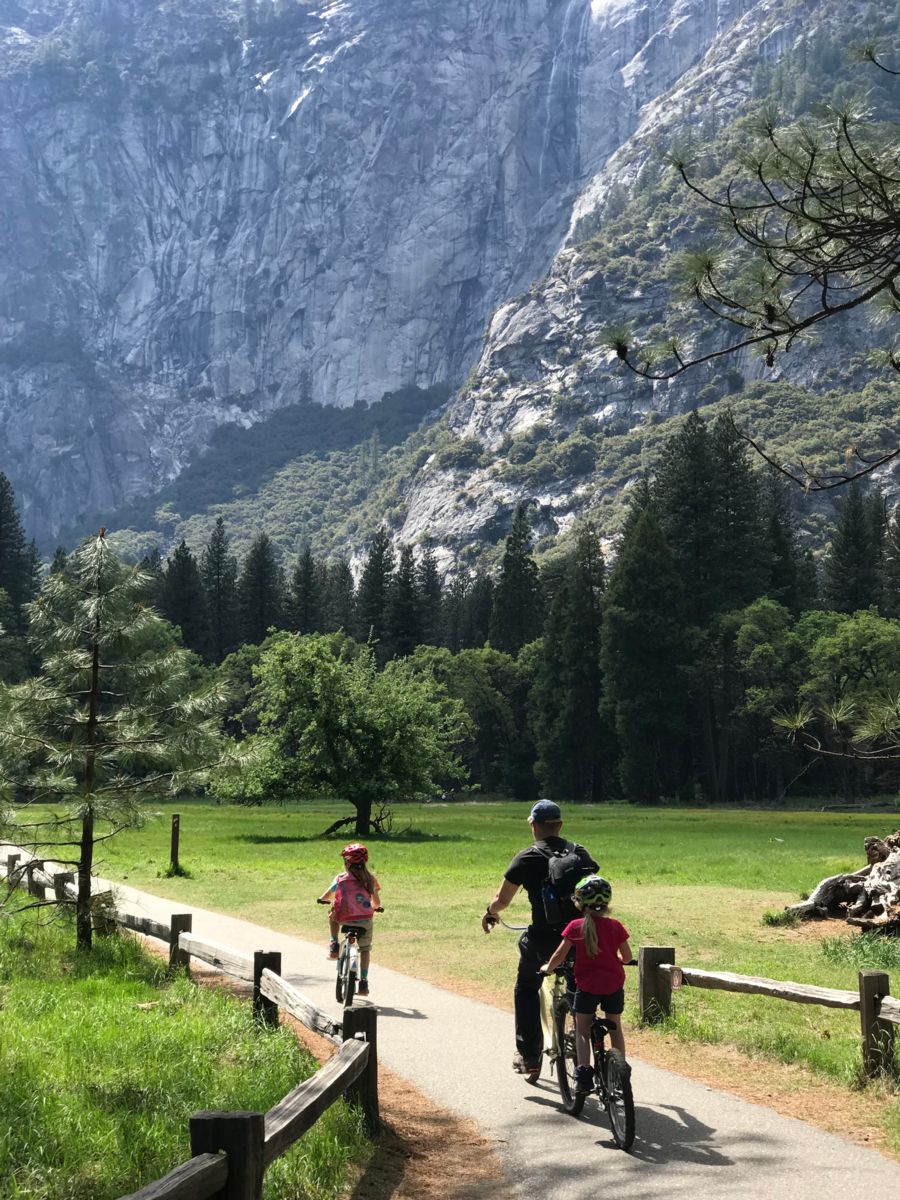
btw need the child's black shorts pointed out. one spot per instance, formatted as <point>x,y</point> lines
<point>587,1002</point>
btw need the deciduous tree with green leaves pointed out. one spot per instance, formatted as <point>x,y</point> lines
<point>114,718</point>
<point>331,724</point>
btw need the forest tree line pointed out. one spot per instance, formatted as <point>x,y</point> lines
<point>710,661</point>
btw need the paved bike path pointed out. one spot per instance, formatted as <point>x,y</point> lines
<point>691,1140</point>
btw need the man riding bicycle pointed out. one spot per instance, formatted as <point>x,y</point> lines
<point>531,869</point>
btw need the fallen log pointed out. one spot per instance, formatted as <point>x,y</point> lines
<point>868,898</point>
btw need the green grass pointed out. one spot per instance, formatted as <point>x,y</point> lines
<point>701,881</point>
<point>97,1091</point>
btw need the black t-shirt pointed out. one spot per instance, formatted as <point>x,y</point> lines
<point>529,870</point>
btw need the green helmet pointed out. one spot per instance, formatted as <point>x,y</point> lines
<point>593,892</point>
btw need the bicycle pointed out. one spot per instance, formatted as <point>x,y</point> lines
<point>612,1074</point>
<point>348,961</point>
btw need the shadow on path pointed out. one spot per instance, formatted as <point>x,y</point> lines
<point>660,1138</point>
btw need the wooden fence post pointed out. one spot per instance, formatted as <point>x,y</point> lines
<point>61,882</point>
<point>34,888</point>
<point>877,1035</point>
<point>173,844</point>
<point>654,986</point>
<point>12,875</point>
<point>178,958</point>
<point>363,1022</point>
<point>263,1007</point>
<point>241,1135</point>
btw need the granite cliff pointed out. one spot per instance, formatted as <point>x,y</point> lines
<point>212,210</point>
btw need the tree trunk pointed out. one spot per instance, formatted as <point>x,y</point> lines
<point>83,922</point>
<point>363,816</point>
<point>868,898</point>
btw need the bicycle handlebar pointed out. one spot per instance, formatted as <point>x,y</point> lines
<point>319,900</point>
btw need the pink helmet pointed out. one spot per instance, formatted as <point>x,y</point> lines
<point>355,853</point>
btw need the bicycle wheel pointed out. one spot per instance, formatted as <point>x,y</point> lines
<point>573,1101</point>
<point>339,981</point>
<point>619,1100</point>
<point>349,988</point>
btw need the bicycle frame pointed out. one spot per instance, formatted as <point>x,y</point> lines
<point>347,966</point>
<point>553,990</point>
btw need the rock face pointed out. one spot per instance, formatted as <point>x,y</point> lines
<point>545,368</point>
<point>211,209</point>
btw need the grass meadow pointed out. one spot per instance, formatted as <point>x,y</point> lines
<point>103,1060</point>
<point>699,880</point>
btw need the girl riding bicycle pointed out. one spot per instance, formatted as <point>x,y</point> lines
<point>354,895</point>
<point>601,947</point>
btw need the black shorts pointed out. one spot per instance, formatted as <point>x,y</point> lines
<point>587,1002</point>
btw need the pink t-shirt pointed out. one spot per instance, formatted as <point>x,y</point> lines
<point>603,974</point>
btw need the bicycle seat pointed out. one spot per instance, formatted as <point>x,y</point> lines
<point>357,930</point>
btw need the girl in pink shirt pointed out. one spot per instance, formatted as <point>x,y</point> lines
<point>601,948</point>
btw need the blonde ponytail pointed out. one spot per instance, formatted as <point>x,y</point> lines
<point>589,921</point>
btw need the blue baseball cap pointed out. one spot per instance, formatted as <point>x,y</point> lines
<point>545,812</point>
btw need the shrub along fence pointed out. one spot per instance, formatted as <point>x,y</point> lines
<point>231,1150</point>
<point>878,1011</point>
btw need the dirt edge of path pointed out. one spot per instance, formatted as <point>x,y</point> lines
<point>423,1152</point>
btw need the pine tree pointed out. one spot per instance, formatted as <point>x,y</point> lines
<point>710,515</point>
<point>684,495</point>
<point>479,612</point>
<point>109,724</point>
<point>153,570</point>
<point>642,659</point>
<point>184,600</point>
<point>566,694</point>
<point>59,562</point>
<point>340,594</point>
<point>372,595</point>
<point>306,600</point>
<point>782,556</point>
<point>455,609</point>
<point>851,573</point>
<point>260,592</point>
<point>219,573</point>
<point>428,581</point>
<point>403,624</point>
<point>517,614</point>
<point>741,574</point>
<point>16,566</point>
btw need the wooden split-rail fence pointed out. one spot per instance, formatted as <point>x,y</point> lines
<point>231,1150</point>
<point>879,1012</point>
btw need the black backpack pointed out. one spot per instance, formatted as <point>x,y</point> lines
<point>564,869</point>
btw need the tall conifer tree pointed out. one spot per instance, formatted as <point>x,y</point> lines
<point>340,598</point>
<point>642,658</point>
<point>219,572</point>
<point>566,695</point>
<point>306,601</point>
<point>403,625</point>
<point>372,594</point>
<point>17,575</point>
<point>851,572</point>
<point>260,591</point>
<point>184,600</point>
<point>428,581</point>
<point>517,614</point>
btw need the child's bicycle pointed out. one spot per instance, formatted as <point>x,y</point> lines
<point>348,962</point>
<point>612,1075</point>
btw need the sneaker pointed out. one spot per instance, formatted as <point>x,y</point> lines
<point>584,1079</point>
<point>363,989</point>
<point>530,1070</point>
<point>333,950</point>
